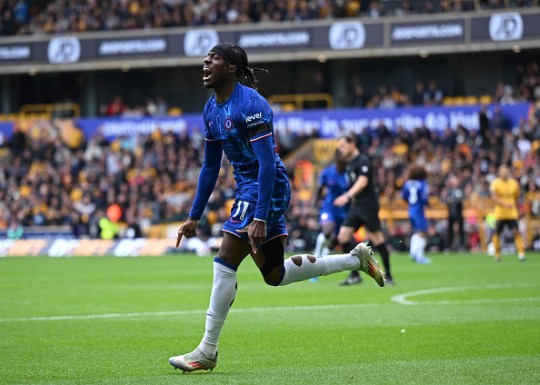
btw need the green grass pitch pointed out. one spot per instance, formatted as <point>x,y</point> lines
<point>462,320</point>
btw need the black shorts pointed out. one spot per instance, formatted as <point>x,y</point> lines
<point>360,216</point>
<point>501,224</point>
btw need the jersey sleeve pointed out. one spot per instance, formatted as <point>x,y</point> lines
<point>364,167</point>
<point>206,117</point>
<point>258,118</point>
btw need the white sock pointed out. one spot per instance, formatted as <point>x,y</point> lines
<point>223,294</point>
<point>421,253</point>
<point>414,247</point>
<point>305,266</point>
<point>320,243</point>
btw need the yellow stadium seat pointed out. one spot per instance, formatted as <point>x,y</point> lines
<point>288,107</point>
<point>471,100</point>
<point>459,101</point>
<point>448,101</point>
<point>486,99</point>
<point>175,111</point>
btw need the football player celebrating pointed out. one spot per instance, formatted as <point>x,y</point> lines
<point>238,122</point>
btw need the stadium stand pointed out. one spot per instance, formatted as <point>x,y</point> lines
<point>52,176</point>
<point>23,17</point>
<point>525,88</point>
<point>470,155</point>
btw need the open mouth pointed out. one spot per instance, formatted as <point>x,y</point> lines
<point>206,73</point>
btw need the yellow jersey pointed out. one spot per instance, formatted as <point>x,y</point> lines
<point>508,192</point>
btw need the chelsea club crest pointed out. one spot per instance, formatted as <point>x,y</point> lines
<point>228,123</point>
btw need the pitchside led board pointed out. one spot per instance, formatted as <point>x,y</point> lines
<point>86,247</point>
<point>347,38</point>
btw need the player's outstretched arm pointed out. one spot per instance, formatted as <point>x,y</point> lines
<point>207,182</point>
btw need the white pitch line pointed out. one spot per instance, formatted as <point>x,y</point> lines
<point>478,301</point>
<point>399,299</point>
<point>402,299</point>
<point>185,312</point>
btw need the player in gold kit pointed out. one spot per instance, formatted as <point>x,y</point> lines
<point>505,193</point>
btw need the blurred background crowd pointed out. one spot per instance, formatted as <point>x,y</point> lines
<point>51,175</point>
<point>23,17</point>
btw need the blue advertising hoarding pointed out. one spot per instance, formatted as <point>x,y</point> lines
<point>320,123</point>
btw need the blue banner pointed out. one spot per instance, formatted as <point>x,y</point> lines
<point>322,123</point>
<point>6,129</point>
<point>115,127</point>
<point>332,123</point>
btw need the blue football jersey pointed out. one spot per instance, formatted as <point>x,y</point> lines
<point>336,184</point>
<point>416,193</point>
<point>236,124</point>
<point>233,124</point>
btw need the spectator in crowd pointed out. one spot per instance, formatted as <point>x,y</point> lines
<point>376,9</point>
<point>161,106</point>
<point>433,95</point>
<point>116,107</point>
<point>359,98</point>
<point>504,94</point>
<point>15,231</point>
<point>418,95</point>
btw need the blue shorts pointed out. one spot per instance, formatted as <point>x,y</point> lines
<point>243,212</point>
<point>419,223</point>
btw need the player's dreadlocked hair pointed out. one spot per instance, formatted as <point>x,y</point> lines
<point>236,55</point>
<point>417,172</point>
<point>246,73</point>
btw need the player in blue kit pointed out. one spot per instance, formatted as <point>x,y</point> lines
<point>416,193</point>
<point>238,122</point>
<point>333,182</point>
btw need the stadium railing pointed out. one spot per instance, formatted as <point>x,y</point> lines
<point>52,110</point>
<point>300,101</point>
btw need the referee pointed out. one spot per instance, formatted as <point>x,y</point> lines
<point>364,210</point>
